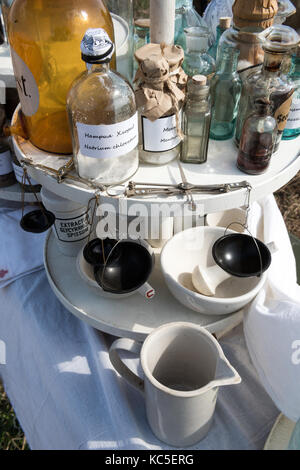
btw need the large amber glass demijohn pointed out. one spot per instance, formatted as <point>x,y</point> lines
<point>45,38</point>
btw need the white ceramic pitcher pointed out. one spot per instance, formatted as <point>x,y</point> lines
<point>183,366</point>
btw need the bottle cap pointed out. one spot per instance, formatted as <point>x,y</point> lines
<point>96,46</point>
<point>225,22</point>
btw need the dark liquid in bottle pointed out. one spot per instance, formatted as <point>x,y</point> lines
<point>255,152</point>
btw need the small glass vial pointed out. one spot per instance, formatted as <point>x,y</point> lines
<point>197,61</point>
<point>103,118</point>
<point>292,128</point>
<point>225,87</point>
<point>258,139</point>
<point>7,176</point>
<point>196,121</point>
<point>224,24</point>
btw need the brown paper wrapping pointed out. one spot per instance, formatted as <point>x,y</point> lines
<point>160,80</point>
<point>256,13</point>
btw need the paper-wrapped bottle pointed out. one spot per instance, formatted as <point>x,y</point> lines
<point>160,81</point>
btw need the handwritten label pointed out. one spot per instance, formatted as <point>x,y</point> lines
<point>5,163</point>
<point>72,230</point>
<point>108,141</point>
<point>160,135</point>
<point>27,88</point>
<point>293,121</point>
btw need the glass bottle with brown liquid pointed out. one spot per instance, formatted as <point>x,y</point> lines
<point>258,139</point>
<point>45,37</point>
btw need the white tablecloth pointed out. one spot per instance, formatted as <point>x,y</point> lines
<point>67,396</point>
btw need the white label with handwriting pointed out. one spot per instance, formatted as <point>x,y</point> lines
<point>108,141</point>
<point>160,135</point>
<point>293,120</point>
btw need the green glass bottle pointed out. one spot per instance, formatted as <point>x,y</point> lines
<point>292,128</point>
<point>226,88</point>
<point>224,23</point>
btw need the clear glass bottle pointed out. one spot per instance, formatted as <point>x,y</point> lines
<point>141,36</point>
<point>224,24</point>
<point>258,139</point>
<point>44,36</point>
<point>292,128</point>
<point>270,81</point>
<point>196,121</point>
<point>197,61</point>
<point>225,90</point>
<point>103,118</point>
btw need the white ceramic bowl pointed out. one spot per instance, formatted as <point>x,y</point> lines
<point>181,255</point>
<point>223,219</point>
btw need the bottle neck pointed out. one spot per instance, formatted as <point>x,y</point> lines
<point>99,68</point>
<point>272,63</point>
<point>227,63</point>
<point>220,31</point>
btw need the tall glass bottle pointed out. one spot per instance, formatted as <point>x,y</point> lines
<point>224,24</point>
<point>197,61</point>
<point>225,87</point>
<point>45,36</point>
<point>258,139</point>
<point>196,121</point>
<point>103,118</point>
<point>292,128</point>
<point>270,81</point>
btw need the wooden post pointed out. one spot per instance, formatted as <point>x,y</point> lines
<point>162,21</point>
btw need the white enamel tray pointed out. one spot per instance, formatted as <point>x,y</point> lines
<point>133,317</point>
<point>220,168</point>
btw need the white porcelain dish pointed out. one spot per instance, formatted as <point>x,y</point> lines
<point>180,256</point>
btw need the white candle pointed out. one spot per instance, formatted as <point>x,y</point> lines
<point>162,21</point>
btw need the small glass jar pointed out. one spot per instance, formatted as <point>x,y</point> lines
<point>103,117</point>
<point>34,187</point>
<point>257,140</point>
<point>197,61</point>
<point>7,176</point>
<point>196,121</point>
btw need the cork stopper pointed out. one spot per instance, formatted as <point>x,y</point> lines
<point>199,80</point>
<point>142,23</point>
<point>225,22</point>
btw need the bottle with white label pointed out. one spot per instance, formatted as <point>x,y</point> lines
<point>7,176</point>
<point>292,128</point>
<point>103,117</point>
<point>72,224</point>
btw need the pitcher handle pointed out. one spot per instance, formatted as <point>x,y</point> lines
<point>132,346</point>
